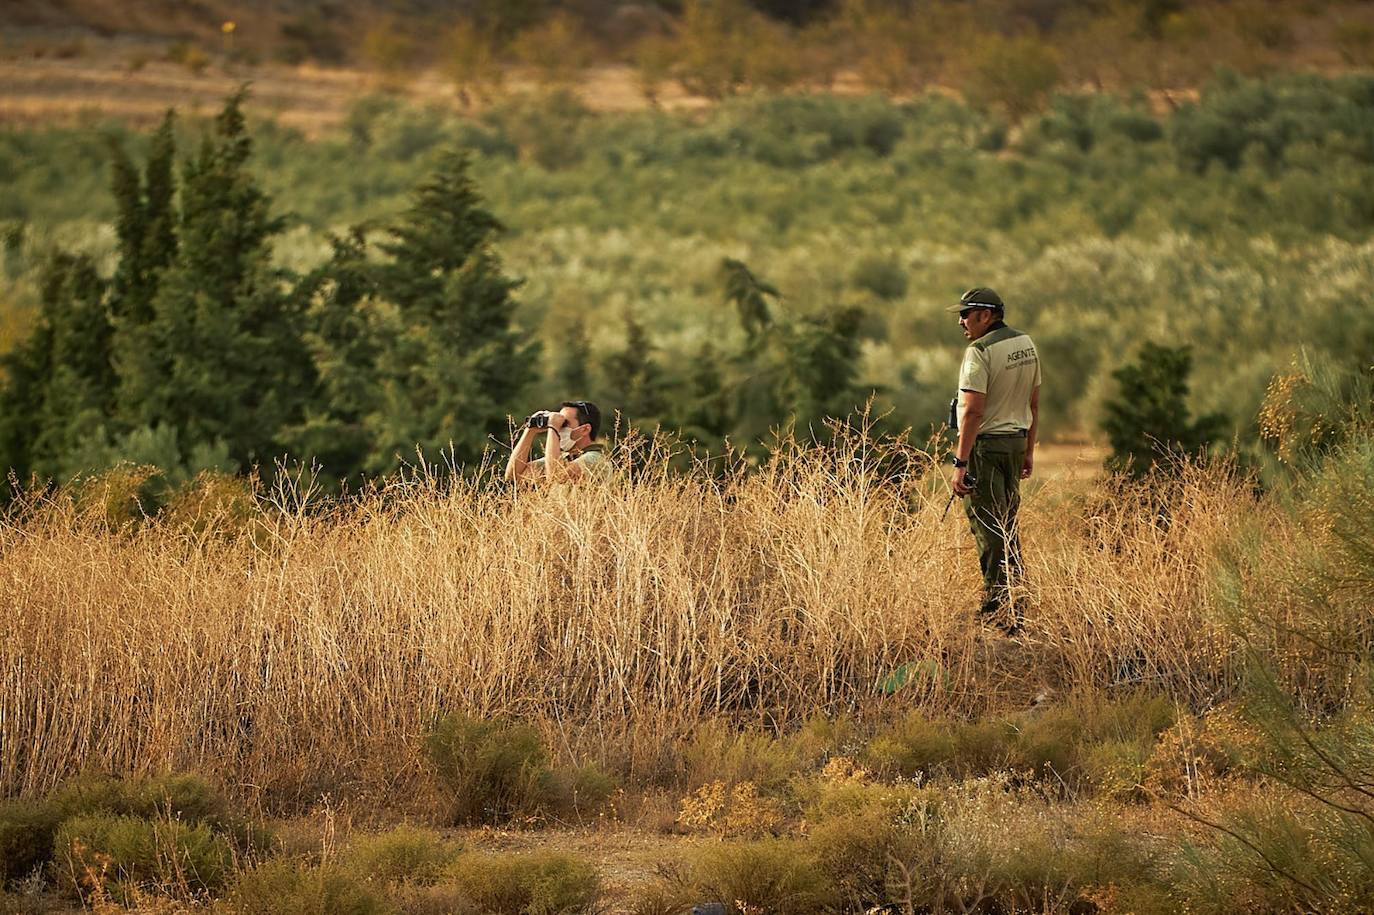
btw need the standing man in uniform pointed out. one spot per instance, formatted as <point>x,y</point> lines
<point>998,411</point>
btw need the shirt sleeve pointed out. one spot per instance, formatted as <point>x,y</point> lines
<point>973,374</point>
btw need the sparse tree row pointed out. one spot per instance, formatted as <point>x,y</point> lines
<point>199,355</point>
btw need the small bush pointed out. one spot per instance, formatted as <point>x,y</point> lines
<point>855,853</point>
<point>1192,755</point>
<point>1116,768</point>
<point>719,753</point>
<point>26,837</point>
<point>532,884</point>
<point>585,792</point>
<point>402,855</point>
<point>1047,743</point>
<point>982,746</point>
<point>118,855</point>
<point>738,811</point>
<point>282,888</point>
<point>778,876</point>
<point>916,746</point>
<point>188,55</point>
<point>881,276</point>
<point>212,504</point>
<point>189,798</point>
<point>495,770</point>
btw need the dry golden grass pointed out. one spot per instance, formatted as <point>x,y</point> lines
<point>311,646</point>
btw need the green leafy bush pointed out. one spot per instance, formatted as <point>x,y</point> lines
<point>122,854</point>
<point>495,770</point>
<point>769,875</point>
<point>27,829</point>
<point>531,884</point>
<point>401,855</point>
<point>916,745</point>
<point>284,888</point>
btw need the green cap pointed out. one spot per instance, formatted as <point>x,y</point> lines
<point>978,297</point>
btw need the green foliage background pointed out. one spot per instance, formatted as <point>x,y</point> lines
<point>1238,225</point>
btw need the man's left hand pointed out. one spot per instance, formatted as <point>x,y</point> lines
<point>557,421</point>
<point>960,488</point>
<point>1027,466</point>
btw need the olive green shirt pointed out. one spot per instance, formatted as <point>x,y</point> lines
<point>1004,365</point>
<point>592,460</point>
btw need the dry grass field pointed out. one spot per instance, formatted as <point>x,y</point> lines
<point>281,646</point>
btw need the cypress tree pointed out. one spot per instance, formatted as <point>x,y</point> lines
<point>572,375</point>
<point>23,387</point>
<point>453,366</point>
<point>77,399</point>
<point>145,224</point>
<point>1149,419</point>
<point>820,361</point>
<point>220,359</point>
<point>59,383</point>
<point>635,377</point>
<point>344,337</point>
<point>707,414</point>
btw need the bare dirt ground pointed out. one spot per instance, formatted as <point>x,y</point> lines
<point>307,98</point>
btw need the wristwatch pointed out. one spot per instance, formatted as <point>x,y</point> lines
<point>959,463</point>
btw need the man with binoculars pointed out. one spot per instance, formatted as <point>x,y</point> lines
<point>998,411</point>
<point>571,451</point>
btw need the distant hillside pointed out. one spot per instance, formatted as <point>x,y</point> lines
<point>64,59</point>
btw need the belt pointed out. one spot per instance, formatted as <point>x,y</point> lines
<point>992,436</point>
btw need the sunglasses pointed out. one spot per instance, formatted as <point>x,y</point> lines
<point>965,312</point>
<point>583,414</point>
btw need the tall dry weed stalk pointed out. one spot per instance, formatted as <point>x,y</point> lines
<point>318,641</point>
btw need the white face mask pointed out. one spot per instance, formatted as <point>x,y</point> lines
<point>565,439</point>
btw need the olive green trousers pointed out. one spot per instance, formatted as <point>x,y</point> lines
<point>991,509</point>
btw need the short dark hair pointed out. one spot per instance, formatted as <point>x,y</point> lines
<point>587,413</point>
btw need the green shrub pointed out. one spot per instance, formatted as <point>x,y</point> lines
<point>402,855</point>
<point>586,791</point>
<point>719,753</point>
<point>1279,855</point>
<point>495,770</point>
<point>434,900</point>
<point>124,853</point>
<point>855,853</point>
<point>1047,743</point>
<point>982,746</point>
<point>283,888</point>
<point>533,884</point>
<point>180,796</point>
<point>883,277</point>
<point>26,837</point>
<point>779,876</point>
<point>1116,768</point>
<point>916,745</point>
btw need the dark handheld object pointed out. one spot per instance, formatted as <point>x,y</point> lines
<point>970,481</point>
<point>538,420</point>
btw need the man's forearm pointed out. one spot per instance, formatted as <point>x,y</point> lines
<point>519,459</point>
<point>969,424</point>
<point>553,457</point>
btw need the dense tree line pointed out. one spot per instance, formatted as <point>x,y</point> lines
<point>199,354</point>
